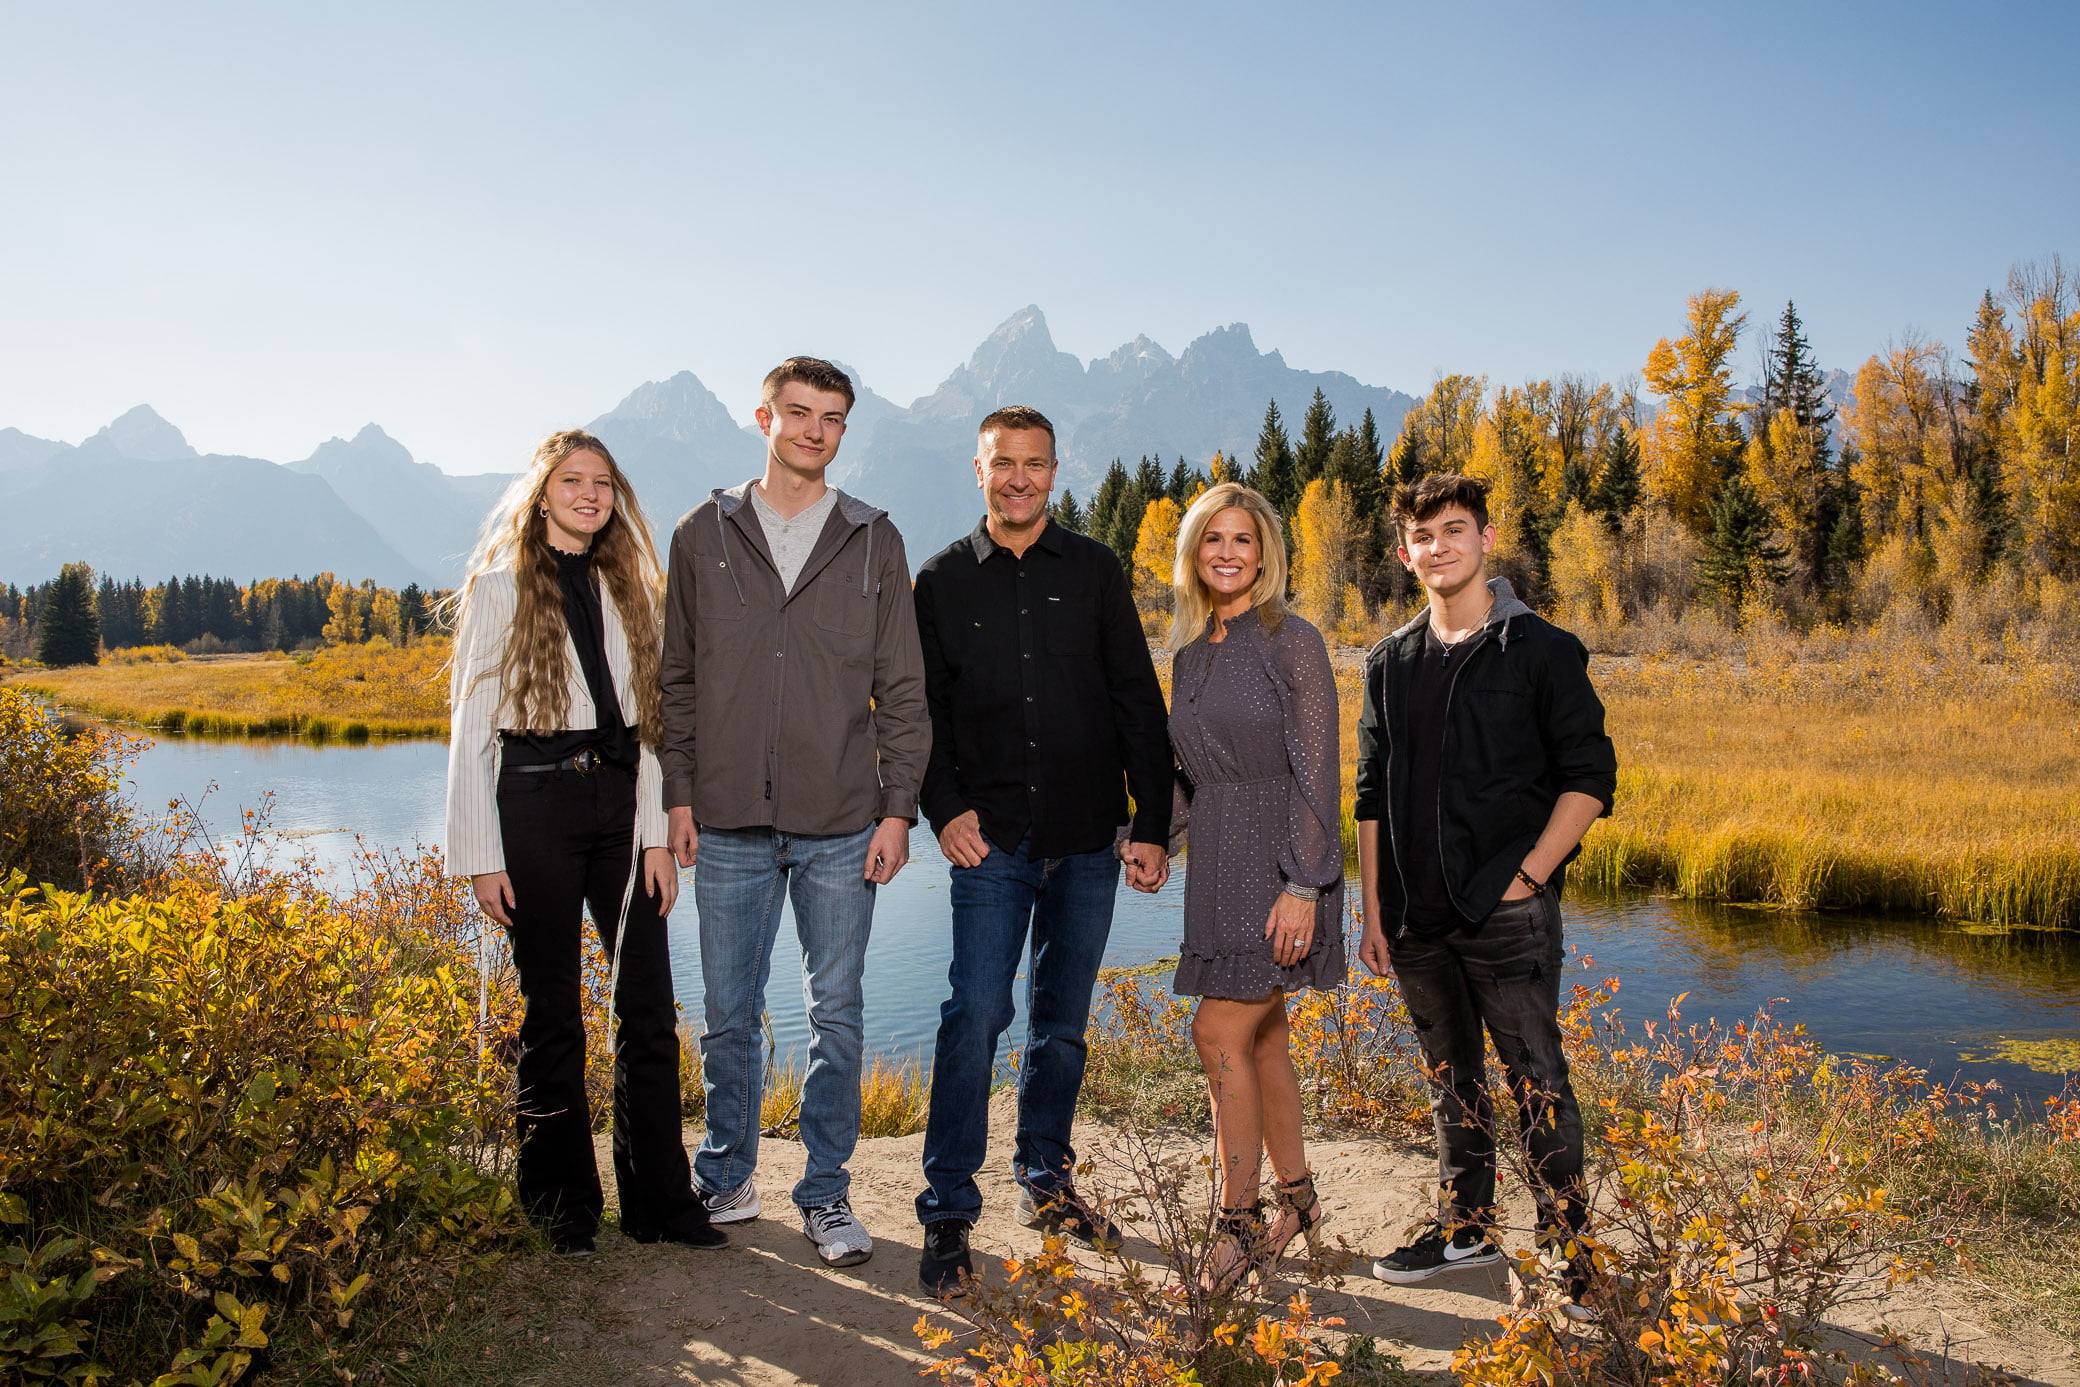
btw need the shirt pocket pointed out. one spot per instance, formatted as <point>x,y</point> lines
<point>843,607</point>
<point>715,593</point>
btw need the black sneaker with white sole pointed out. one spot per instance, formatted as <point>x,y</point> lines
<point>945,1269</point>
<point>1437,1250</point>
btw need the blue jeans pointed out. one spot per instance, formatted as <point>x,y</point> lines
<point>738,883</point>
<point>1067,904</point>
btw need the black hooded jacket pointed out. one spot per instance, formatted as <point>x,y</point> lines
<point>1523,726</point>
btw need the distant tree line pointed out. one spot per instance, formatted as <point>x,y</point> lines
<point>1944,487</point>
<point>70,619</point>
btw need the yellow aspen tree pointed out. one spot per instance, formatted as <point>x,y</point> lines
<point>1155,553</point>
<point>345,627</point>
<point>1323,538</point>
<point>382,617</point>
<point>1508,456</point>
<point>1444,426</point>
<point>1687,450</point>
<point>1585,572</point>
<point>1900,453</point>
<point>1783,466</point>
<point>2043,434</point>
<point>1223,469</point>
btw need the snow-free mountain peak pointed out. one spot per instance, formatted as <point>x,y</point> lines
<point>142,436</point>
<point>678,409</point>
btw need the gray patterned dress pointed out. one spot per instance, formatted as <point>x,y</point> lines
<point>1253,722</point>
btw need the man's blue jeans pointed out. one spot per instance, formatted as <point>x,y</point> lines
<point>1066,902</point>
<point>738,883</point>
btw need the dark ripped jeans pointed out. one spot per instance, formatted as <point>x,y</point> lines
<point>1505,976</point>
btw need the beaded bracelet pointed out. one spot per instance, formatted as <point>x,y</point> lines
<point>1533,882</point>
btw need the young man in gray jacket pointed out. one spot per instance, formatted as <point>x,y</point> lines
<point>795,741</point>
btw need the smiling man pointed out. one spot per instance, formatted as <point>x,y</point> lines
<point>1045,713</point>
<point>795,736</point>
<point>1481,748</point>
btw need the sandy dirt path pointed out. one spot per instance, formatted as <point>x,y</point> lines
<point>766,1312</point>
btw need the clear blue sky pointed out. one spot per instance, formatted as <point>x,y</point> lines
<point>277,222</point>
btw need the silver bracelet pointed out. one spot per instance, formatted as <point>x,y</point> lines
<point>1303,893</point>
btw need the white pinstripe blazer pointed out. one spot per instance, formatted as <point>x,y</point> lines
<point>474,844</point>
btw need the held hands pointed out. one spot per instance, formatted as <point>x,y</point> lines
<point>682,836</point>
<point>1290,929</point>
<point>1148,866</point>
<point>887,851</point>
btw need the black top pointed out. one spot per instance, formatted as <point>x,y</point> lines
<point>1430,908</point>
<point>1045,705</point>
<point>1522,726</point>
<point>613,738</point>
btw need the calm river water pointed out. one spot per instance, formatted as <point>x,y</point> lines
<point>1940,997</point>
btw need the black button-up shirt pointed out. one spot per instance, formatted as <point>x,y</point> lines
<point>1045,705</point>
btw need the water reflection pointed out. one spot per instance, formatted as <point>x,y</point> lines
<point>1928,993</point>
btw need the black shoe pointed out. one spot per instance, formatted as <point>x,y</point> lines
<point>1437,1251</point>
<point>1064,1212</point>
<point>572,1245</point>
<point>945,1269</point>
<point>692,1231</point>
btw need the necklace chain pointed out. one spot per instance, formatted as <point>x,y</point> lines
<point>1450,646</point>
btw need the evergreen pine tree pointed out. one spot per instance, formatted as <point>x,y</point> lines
<point>1066,513</point>
<point>1739,549</point>
<point>1317,436</point>
<point>1844,543</point>
<point>411,611</point>
<point>1272,475</point>
<point>1988,513</point>
<point>68,629</point>
<point>1150,481</point>
<point>1619,484</point>
<point>1406,464</point>
<point>1102,517</point>
<point>1180,488</point>
<point>1793,381</point>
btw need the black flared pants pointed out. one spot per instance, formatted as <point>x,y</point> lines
<point>568,844</point>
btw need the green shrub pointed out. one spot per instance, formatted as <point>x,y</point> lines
<point>235,1126</point>
<point>62,816</point>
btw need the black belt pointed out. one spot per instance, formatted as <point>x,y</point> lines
<point>584,763</point>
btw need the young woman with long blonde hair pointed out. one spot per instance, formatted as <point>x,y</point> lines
<point>555,804</point>
<point>1253,723</point>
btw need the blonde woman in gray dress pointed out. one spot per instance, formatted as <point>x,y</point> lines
<point>1254,725</point>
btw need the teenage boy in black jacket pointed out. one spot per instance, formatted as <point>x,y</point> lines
<point>1482,751</point>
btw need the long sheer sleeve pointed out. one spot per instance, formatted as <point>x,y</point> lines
<point>1313,851</point>
<point>1180,811</point>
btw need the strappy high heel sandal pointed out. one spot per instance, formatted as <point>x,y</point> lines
<point>1238,1250</point>
<point>1300,1214</point>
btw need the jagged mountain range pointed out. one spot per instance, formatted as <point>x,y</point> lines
<point>137,500</point>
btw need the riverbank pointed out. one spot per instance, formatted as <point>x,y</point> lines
<point>1906,781</point>
<point>347,693</point>
<point>1880,782</point>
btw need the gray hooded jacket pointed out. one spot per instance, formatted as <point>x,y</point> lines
<point>800,710</point>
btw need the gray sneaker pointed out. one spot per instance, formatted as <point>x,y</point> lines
<point>739,1205</point>
<point>840,1238</point>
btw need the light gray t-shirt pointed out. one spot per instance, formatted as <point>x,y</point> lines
<point>791,540</point>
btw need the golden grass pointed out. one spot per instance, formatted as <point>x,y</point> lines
<point>1817,776</point>
<point>1861,782</point>
<point>345,693</point>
